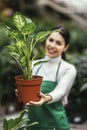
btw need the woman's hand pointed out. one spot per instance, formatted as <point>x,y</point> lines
<point>44,98</point>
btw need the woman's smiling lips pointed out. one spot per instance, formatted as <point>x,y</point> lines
<point>51,51</point>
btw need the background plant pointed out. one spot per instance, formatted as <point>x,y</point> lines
<point>77,98</point>
<point>7,71</point>
<point>19,123</point>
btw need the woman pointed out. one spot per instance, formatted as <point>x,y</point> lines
<point>58,78</point>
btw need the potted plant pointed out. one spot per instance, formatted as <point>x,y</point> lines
<point>22,30</point>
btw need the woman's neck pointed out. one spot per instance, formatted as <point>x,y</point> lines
<point>55,59</point>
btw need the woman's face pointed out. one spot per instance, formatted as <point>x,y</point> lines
<point>55,45</point>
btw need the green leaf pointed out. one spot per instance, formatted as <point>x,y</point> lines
<point>28,20</point>
<point>28,28</point>
<point>9,24</point>
<point>5,126</point>
<point>15,35</point>
<point>14,54</point>
<point>83,88</point>
<point>15,124</point>
<point>39,62</point>
<point>20,124</point>
<point>19,20</point>
<point>42,35</point>
<point>8,124</point>
<point>21,114</point>
<point>11,48</point>
<point>34,123</point>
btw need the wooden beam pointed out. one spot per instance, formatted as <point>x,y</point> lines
<point>67,11</point>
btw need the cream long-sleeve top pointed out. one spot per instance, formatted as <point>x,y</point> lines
<point>65,77</point>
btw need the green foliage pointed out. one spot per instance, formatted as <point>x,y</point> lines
<point>78,40</point>
<point>78,95</point>
<point>19,123</point>
<point>7,71</point>
<point>22,30</point>
<point>83,88</point>
<point>5,76</point>
<point>3,37</point>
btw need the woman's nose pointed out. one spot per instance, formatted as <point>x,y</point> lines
<point>53,44</point>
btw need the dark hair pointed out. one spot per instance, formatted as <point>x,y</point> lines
<point>65,33</point>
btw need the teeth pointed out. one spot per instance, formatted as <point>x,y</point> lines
<point>51,51</point>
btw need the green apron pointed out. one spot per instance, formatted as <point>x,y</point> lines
<point>50,116</point>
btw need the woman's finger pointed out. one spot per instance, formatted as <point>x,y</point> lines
<point>28,104</point>
<point>16,92</point>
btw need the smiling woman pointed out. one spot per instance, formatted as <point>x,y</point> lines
<point>58,78</point>
<point>55,45</point>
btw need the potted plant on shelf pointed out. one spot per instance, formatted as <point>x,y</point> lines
<point>22,30</point>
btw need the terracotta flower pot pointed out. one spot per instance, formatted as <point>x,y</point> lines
<point>28,89</point>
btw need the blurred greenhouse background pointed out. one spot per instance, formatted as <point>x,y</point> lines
<point>47,14</point>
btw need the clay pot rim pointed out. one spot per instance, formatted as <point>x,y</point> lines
<point>35,77</point>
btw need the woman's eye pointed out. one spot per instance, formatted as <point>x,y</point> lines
<point>51,40</point>
<point>58,43</point>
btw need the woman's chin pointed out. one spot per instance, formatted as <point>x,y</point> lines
<point>51,55</point>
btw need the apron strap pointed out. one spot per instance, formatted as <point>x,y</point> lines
<point>38,69</point>
<point>57,72</point>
